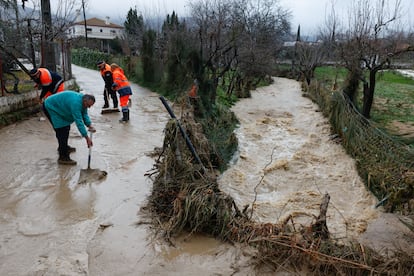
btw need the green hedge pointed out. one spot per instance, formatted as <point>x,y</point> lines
<point>87,58</point>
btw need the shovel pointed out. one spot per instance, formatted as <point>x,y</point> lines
<point>88,174</point>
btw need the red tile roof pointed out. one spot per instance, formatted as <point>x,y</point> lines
<point>98,22</point>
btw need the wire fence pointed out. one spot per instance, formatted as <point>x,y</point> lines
<point>385,164</point>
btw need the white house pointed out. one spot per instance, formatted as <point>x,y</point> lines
<point>96,28</point>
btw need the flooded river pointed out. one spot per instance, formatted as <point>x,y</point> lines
<point>288,161</point>
<point>51,225</point>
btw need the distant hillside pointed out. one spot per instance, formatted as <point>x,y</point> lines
<point>153,22</point>
<point>9,13</point>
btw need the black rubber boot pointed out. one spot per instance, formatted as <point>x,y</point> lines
<point>127,115</point>
<point>124,117</point>
<point>65,160</point>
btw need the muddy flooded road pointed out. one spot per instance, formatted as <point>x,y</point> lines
<point>51,225</point>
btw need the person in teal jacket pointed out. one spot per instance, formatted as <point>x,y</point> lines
<point>63,109</point>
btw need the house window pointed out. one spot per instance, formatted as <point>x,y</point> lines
<point>101,30</point>
<point>113,32</point>
<point>89,29</point>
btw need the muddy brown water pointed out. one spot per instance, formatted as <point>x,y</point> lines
<point>51,225</point>
<point>287,160</point>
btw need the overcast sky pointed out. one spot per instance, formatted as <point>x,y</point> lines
<point>308,13</point>
<point>311,13</point>
<point>119,8</point>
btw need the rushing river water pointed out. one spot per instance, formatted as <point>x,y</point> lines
<point>51,225</point>
<point>287,161</point>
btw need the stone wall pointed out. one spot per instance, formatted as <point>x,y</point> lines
<point>17,102</point>
<point>16,107</point>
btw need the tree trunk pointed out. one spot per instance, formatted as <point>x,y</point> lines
<point>308,76</point>
<point>319,228</point>
<point>352,84</point>
<point>369,90</point>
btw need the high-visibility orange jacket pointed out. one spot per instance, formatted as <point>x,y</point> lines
<point>193,91</point>
<point>50,82</point>
<point>107,76</point>
<point>121,83</point>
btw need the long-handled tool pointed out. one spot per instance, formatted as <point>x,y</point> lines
<point>90,154</point>
<point>88,174</point>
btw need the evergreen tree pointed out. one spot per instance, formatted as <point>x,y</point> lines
<point>148,55</point>
<point>134,28</point>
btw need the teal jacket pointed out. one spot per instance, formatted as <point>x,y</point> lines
<point>65,108</point>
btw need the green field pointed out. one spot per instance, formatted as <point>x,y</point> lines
<point>393,107</point>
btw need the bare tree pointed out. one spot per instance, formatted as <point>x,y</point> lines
<point>213,23</point>
<point>265,24</point>
<point>26,32</point>
<point>330,31</point>
<point>370,45</point>
<point>239,38</point>
<point>12,37</point>
<point>65,13</point>
<point>328,37</point>
<point>309,55</point>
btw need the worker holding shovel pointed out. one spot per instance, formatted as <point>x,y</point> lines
<point>62,109</point>
<point>106,73</point>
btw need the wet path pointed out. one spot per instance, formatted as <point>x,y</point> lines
<point>47,219</point>
<point>50,225</point>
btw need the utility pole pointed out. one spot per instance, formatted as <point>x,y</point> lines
<point>48,50</point>
<point>84,20</point>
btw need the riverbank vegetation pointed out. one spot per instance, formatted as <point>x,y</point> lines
<point>392,109</point>
<point>229,48</point>
<point>228,68</point>
<point>186,198</point>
